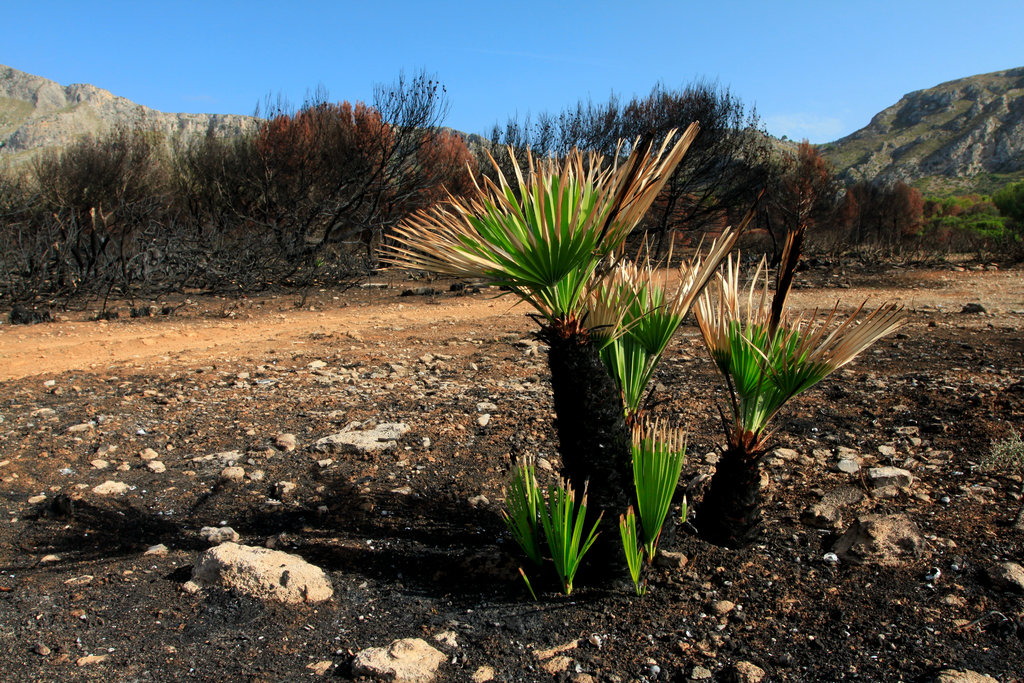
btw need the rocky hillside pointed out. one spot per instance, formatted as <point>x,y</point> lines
<point>37,113</point>
<point>964,134</point>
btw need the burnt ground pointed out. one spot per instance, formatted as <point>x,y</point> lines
<point>413,550</point>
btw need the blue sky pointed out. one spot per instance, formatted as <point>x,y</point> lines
<point>816,70</point>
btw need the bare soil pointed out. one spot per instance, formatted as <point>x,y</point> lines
<point>411,537</point>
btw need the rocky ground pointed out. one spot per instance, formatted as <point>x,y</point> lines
<point>130,448</point>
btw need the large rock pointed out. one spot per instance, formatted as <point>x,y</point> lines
<point>410,660</point>
<point>1008,576</point>
<point>262,573</point>
<point>383,437</point>
<point>880,539</point>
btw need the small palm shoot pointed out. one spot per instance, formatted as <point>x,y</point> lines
<point>564,523</point>
<point>632,548</point>
<point>658,456</point>
<point>767,357</point>
<point>521,500</point>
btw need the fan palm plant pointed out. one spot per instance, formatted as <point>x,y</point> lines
<point>767,357</point>
<point>547,240</point>
<point>637,308</point>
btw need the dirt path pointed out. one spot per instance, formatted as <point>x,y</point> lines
<point>92,346</point>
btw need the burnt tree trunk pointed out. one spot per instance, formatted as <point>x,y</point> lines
<point>594,441</point>
<point>730,513</point>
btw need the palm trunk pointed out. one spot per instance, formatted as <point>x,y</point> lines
<point>594,441</point>
<point>730,513</point>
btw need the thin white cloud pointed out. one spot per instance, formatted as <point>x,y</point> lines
<point>802,126</point>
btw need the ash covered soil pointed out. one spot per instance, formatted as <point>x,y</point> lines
<point>410,536</point>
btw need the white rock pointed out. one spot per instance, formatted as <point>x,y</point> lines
<point>484,420</point>
<point>410,660</point>
<point>889,476</point>
<point>156,466</point>
<point>848,465</point>
<point>99,464</point>
<point>159,550</point>
<point>148,454</point>
<point>82,427</point>
<point>483,674</point>
<point>215,535</point>
<point>285,442</point>
<point>232,474</point>
<point>262,573</point>
<point>381,438</point>
<point>111,488</point>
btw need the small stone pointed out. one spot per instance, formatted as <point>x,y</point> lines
<point>159,550</point>
<point>99,464</point>
<point>215,535</point>
<point>82,427</point>
<point>283,488</point>
<point>33,500</point>
<point>83,580</point>
<point>479,501</point>
<point>383,437</point>
<point>485,407</point>
<point>848,466</point>
<point>285,442</point>
<point>544,464</point>
<point>317,365</point>
<point>124,467</point>
<point>699,673</point>
<point>156,466</point>
<point>887,451</point>
<point>111,488</point>
<point>1008,576</point>
<point>91,659</point>
<point>557,649</point>
<point>484,420</point>
<point>785,453</point>
<point>410,660</point>
<point>232,475</point>
<point>973,309</point>
<point>723,607</point>
<point>483,674</point>
<point>41,650</point>
<point>557,664</point>
<point>748,672</point>
<point>668,559</point>
<point>191,587</point>
<point>880,477</point>
<point>320,668</point>
<point>148,454</point>
<point>48,559</point>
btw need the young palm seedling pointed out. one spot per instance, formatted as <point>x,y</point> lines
<point>564,523</point>
<point>767,357</point>
<point>658,456</point>
<point>632,548</point>
<point>520,515</point>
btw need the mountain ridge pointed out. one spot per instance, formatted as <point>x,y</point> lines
<point>958,134</point>
<point>37,113</point>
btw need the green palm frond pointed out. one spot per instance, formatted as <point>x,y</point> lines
<point>765,368</point>
<point>545,238</point>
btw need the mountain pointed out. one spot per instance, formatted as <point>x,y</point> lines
<point>37,113</point>
<point>963,135</point>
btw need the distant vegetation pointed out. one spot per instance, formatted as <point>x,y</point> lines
<point>309,195</point>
